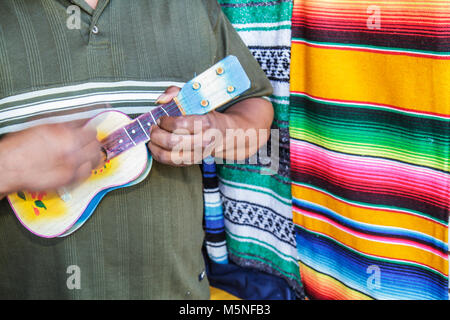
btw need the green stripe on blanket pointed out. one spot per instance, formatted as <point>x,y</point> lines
<point>255,12</point>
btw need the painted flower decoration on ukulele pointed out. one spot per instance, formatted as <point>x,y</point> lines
<point>37,201</point>
<point>103,169</point>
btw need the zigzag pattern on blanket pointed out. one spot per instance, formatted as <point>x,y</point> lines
<point>257,208</point>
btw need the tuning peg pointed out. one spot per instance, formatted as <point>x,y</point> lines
<point>220,71</point>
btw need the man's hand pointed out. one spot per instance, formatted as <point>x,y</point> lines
<point>48,157</point>
<point>186,140</point>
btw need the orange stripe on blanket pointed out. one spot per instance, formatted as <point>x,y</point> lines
<point>397,80</point>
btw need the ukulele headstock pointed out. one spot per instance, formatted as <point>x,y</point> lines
<point>216,86</point>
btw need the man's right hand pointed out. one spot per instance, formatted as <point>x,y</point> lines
<point>48,157</point>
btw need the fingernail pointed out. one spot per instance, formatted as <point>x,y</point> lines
<point>158,121</point>
<point>162,99</point>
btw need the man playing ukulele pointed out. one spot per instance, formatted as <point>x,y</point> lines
<point>143,242</point>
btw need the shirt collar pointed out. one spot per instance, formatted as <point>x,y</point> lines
<point>83,5</point>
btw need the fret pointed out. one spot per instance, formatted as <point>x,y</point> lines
<point>162,107</point>
<point>136,132</point>
<point>157,113</point>
<point>146,121</point>
<point>154,120</point>
<point>125,129</point>
<point>170,109</point>
<point>142,127</point>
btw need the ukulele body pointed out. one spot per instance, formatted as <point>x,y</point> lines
<point>53,214</point>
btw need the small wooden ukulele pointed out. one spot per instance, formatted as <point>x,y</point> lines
<point>60,213</point>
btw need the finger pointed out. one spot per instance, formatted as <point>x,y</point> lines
<point>85,136</point>
<point>192,124</point>
<point>93,154</point>
<point>90,153</point>
<point>186,142</point>
<point>168,95</point>
<point>164,156</point>
<point>196,142</point>
<point>83,172</point>
<point>164,139</point>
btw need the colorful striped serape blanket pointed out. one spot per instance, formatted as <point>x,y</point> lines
<point>370,145</point>
<point>257,207</point>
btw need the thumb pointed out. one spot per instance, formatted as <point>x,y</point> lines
<point>168,95</point>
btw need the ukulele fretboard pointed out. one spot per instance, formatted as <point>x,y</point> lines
<point>137,131</point>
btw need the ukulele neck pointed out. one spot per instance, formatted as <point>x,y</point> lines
<point>137,131</point>
<point>214,87</point>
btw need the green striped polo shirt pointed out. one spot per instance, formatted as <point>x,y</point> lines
<point>61,60</point>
